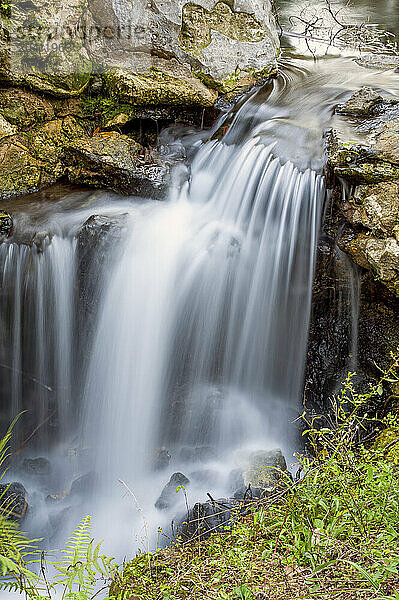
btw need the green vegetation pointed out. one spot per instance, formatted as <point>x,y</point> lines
<point>333,534</point>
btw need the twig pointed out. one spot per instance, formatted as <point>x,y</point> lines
<point>143,518</point>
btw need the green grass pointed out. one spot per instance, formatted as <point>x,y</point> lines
<point>332,535</point>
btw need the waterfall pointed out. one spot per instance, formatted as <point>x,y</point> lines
<point>197,330</point>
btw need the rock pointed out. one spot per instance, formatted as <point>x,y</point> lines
<point>387,142</point>
<point>161,459</point>
<point>264,469</point>
<point>33,159</point>
<point>6,225</point>
<point>23,108</point>
<point>165,83</point>
<point>234,47</point>
<point>168,495</point>
<point>374,207</point>
<point>36,466</point>
<point>362,103</point>
<point>13,501</point>
<point>115,161</point>
<point>210,517</point>
<point>377,60</point>
<point>84,485</point>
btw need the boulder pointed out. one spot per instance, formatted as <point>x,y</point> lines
<point>168,495</point>
<point>6,225</point>
<point>166,82</point>
<point>115,161</point>
<point>13,501</point>
<point>362,103</point>
<point>23,108</point>
<point>210,517</point>
<point>264,469</point>
<point>37,466</point>
<point>160,459</point>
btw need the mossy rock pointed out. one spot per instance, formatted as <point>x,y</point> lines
<point>34,159</point>
<point>6,224</point>
<point>23,108</point>
<point>388,441</point>
<point>168,83</point>
<point>114,161</point>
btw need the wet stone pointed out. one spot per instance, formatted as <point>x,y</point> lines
<point>6,224</point>
<point>169,495</point>
<point>13,501</point>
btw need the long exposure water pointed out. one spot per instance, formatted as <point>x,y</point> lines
<point>182,326</point>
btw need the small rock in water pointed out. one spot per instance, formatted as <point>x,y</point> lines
<point>264,469</point>
<point>6,224</point>
<point>84,485</point>
<point>13,501</point>
<point>161,459</point>
<point>36,466</point>
<point>169,496</point>
<point>361,103</point>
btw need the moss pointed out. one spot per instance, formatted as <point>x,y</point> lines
<point>367,173</point>
<point>157,87</point>
<point>389,438</point>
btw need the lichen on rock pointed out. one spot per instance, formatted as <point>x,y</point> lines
<point>166,83</point>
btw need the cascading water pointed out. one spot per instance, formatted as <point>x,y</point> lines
<point>188,330</point>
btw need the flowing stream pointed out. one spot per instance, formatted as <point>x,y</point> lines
<point>187,328</point>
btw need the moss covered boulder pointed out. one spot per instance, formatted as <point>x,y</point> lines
<point>34,159</point>
<point>115,161</point>
<point>23,108</point>
<point>166,83</point>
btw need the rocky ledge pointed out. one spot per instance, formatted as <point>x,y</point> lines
<point>131,68</point>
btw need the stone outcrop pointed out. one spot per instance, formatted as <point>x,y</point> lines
<point>127,67</point>
<point>370,164</point>
<point>355,324</point>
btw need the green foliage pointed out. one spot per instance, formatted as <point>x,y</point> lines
<point>333,534</point>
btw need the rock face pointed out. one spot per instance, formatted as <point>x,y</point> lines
<point>168,496</point>
<point>355,323</point>
<point>370,213</point>
<point>128,66</point>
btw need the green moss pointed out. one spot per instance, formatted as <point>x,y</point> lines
<point>157,87</point>
<point>389,439</point>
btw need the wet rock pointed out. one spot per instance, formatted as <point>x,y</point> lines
<point>161,459</point>
<point>207,518</point>
<point>166,83</point>
<point>387,142</point>
<point>115,161</point>
<point>13,501</point>
<point>168,496</point>
<point>36,466</point>
<point>84,485</point>
<point>361,103</point>
<point>264,469</point>
<point>6,225</point>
